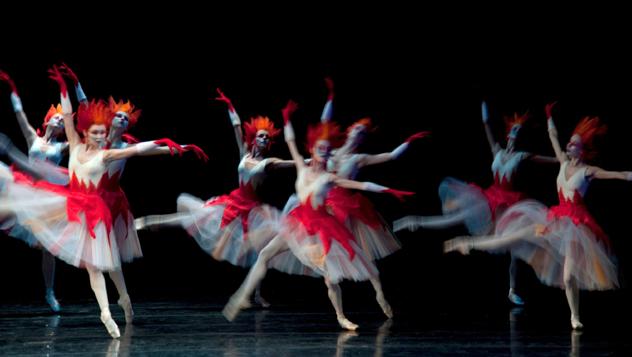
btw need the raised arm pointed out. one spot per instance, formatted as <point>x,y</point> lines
<point>234,119</point>
<point>288,133</point>
<point>493,145</point>
<point>66,71</point>
<point>559,153</point>
<point>395,154</point>
<point>328,109</point>
<point>27,130</point>
<point>38,169</point>
<point>69,124</point>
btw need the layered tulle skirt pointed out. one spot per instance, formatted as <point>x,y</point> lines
<point>564,237</point>
<point>72,223</point>
<point>367,227</point>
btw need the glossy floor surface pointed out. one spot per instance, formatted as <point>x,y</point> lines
<point>171,328</point>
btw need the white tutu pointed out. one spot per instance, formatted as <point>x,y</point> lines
<point>223,238</point>
<point>558,240</point>
<point>123,220</point>
<point>336,263</point>
<point>58,222</point>
<point>368,228</point>
<point>469,202</point>
<point>126,237</point>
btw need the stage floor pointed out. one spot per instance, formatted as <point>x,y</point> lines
<point>170,328</point>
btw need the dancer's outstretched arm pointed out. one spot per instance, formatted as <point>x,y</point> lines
<point>38,169</point>
<point>395,154</point>
<point>27,130</point>
<point>172,150</point>
<point>144,149</point>
<point>370,187</point>
<point>275,163</point>
<point>601,174</point>
<point>541,159</point>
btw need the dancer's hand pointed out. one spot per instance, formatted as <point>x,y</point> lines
<point>56,75</point>
<point>172,145</point>
<point>329,83</point>
<point>419,135</point>
<point>65,70</point>
<point>197,151</point>
<point>400,195</point>
<point>288,110</point>
<point>484,112</point>
<point>548,109</point>
<point>223,98</point>
<point>4,76</point>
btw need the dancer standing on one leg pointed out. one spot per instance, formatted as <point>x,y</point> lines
<point>353,209</point>
<point>564,244</point>
<point>221,225</point>
<point>312,234</point>
<point>478,208</point>
<point>42,145</point>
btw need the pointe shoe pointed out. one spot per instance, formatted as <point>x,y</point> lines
<point>110,325</point>
<point>259,300</point>
<point>125,303</point>
<point>514,298</point>
<point>575,323</point>
<point>386,307</point>
<point>52,301</point>
<point>346,324</point>
<point>234,307</point>
<point>459,244</point>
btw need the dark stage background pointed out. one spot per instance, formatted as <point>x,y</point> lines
<point>406,74</point>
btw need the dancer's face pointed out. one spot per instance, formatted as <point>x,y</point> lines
<point>120,120</point>
<point>513,135</point>
<point>321,152</point>
<point>56,123</point>
<point>357,134</point>
<point>95,135</point>
<point>574,148</point>
<point>262,139</point>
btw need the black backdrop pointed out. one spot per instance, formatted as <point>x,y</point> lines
<point>406,72</point>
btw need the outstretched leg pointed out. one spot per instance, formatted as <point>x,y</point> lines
<point>239,300</point>
<point>492,242</point>
<point>158,221</point>
<point>413,223</point>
